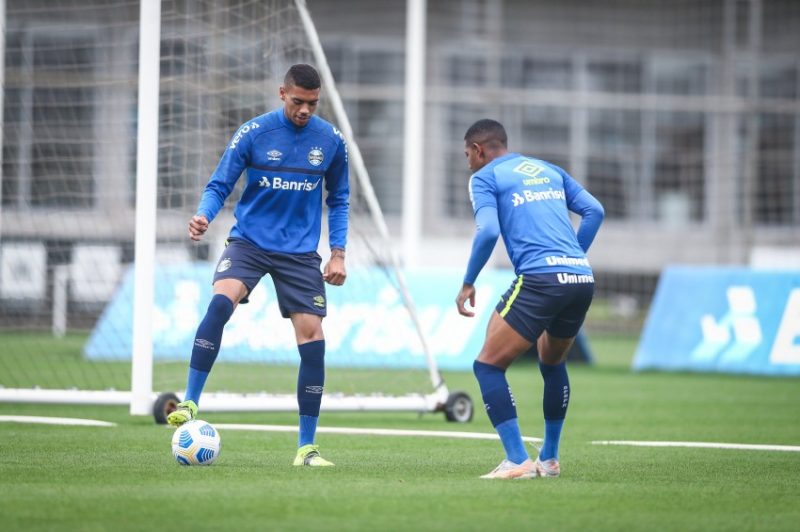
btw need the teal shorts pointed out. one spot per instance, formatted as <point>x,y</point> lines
<point>552,302</point>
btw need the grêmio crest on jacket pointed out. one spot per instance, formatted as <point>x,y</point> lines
<point>315,156</point>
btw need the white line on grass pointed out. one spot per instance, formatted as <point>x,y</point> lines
<point>373,432</point>
<point>56,421</point>
<point>704,445</point>
<point>417,433</point>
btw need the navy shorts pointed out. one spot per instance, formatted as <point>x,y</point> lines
<point>297,278</point>
<point>552,302</point>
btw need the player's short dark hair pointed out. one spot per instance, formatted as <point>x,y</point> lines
<point>486,131</point>
<point>303,76</point>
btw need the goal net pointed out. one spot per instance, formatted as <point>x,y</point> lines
<point>69,211</point>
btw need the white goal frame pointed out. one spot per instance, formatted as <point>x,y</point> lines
<point>142,398</point>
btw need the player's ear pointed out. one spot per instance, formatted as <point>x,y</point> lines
<point>282,91</point>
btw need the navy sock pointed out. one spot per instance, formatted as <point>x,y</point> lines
<point>554,404</point>
<point>206,345</point>
<point>310,384</point>
<point>502,410</point>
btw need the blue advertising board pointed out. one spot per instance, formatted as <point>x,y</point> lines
<point>367,324</point>
<point>733,320</point>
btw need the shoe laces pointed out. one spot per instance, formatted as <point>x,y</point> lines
<point>504,465</point>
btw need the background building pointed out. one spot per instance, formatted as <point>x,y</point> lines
<point>682,117</point>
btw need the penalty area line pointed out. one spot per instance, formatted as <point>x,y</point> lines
<point>702,445</point>
<point>56,421</point>
<point>371,432</point>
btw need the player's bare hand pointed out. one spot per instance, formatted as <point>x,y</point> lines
<point>334,272</point>
<point>198,226</point>
<point>467,293</point>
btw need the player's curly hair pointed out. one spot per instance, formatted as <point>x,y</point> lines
<point>303,76</point>
<point>487,131</point>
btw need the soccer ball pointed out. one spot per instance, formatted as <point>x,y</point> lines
<point>196,443</point>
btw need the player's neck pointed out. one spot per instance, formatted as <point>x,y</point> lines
<point>491,155</point>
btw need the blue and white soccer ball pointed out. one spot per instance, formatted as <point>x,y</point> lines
<point>196,443</point>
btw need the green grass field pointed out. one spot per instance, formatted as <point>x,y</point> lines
<point>124,478</point>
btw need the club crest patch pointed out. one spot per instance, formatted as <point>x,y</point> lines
<point>224,264</point>
<point>315,156</point>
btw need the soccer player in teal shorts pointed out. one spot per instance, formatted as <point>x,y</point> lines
<point>286,157</point>
<point>527,202</point>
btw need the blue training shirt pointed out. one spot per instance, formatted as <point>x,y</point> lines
<point>286,166</point>
<point>531,199</point>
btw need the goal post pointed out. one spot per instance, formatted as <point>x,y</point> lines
<point>146,211</point>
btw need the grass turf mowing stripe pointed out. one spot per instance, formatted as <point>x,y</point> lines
<point>703,445</point>
<point>373,432</point>
<point>56,421</point>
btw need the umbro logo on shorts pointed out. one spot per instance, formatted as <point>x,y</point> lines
<point>319,301</point>
<point>224,264</point>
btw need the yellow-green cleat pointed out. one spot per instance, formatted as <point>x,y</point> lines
<point>185,411</point>
<point>308,455</point>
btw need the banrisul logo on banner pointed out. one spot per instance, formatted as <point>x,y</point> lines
<point>723,319</point>
<point>367,324</point>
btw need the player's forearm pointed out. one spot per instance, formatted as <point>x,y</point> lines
<point>488,229</point>
<point>337,225</point>
<point>592,214</point>
<point>212,201</point>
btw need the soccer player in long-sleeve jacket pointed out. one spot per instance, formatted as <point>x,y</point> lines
<point>288,156</point>
<point>527,201</point>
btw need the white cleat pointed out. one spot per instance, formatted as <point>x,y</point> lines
<point>548,468</point>
<point>508,469</point>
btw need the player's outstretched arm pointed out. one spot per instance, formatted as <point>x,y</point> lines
<point>334,272</point>
<point>198,226</point>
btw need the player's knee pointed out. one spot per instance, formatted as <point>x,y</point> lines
<point>220,309</point>
<point>481,368</point>
<point>312,354</point>
<point>553,350</point>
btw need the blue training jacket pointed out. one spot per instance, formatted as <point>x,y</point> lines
<point>528,201</point>
<point>286,166</point>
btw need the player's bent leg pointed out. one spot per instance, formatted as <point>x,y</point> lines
<point>555,399</point>
<point>208,339</point>
<point>502,344</point>
<point>553,350</point>
<point>501,347</point>
<point>310,385</point>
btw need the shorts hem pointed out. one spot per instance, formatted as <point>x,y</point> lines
<point>286,313</point>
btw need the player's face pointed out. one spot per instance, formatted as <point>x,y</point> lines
<point>475,156</point>
<point>299,104</point>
